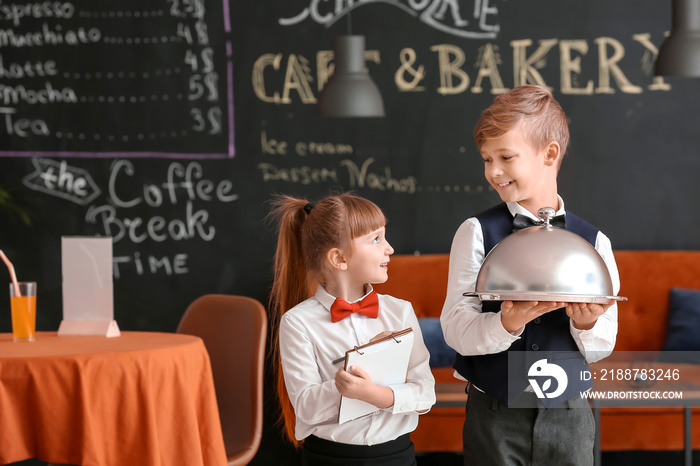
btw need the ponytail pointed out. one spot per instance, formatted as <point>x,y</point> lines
<point>290,287</point>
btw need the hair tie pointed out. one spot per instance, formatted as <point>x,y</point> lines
<point>308,207</point>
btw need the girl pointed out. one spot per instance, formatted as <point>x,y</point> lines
<point>340,244</point>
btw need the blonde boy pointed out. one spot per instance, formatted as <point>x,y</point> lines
<point>522,138</point>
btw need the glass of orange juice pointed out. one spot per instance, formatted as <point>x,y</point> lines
<point>23,311</point>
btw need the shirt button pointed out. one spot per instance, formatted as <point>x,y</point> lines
<point>537,320</point>
<point>370,443</point>
<point>535,347</point>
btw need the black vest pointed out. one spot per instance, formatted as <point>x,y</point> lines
<point>545,337</point>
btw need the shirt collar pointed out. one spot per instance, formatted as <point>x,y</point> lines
<point>516,208</point>
<point>326,299</point>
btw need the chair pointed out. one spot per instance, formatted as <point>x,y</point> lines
<point>234,330</point>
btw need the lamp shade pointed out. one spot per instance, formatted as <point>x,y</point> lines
<point>350,92</point>
<point>679,54</point>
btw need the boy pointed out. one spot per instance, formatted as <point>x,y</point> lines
<point>522,138</point>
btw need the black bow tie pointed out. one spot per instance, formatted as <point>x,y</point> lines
<point>523,221</point>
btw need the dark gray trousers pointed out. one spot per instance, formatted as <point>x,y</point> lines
<point>497,435</point>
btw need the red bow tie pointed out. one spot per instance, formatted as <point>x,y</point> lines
<point>368,306</point>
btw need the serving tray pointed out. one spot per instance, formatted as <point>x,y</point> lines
<point>509,295</point>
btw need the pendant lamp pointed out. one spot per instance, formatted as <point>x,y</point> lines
<point>350,92</point>
<point>679,54</point>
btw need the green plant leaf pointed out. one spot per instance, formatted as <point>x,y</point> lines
<point>7,202</point>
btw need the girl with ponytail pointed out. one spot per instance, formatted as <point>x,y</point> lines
<point>339,246</point>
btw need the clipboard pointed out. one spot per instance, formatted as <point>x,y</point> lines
<point>386,362</point>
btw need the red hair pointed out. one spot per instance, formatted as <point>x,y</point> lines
<point>534,107</point>
<point>306,233</point>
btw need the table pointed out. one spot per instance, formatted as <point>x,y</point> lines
<point>450,394</point>
<point>141,398</point>
<point>687,424</point>
<point>687,386</point>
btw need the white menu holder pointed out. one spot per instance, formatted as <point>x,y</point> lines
<point>88,297</point>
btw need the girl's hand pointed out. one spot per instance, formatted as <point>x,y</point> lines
<point>585,315</point>
<point>358,385</point>
<point>515,314</point>
<point>385,333</point>
<point>355,384</point>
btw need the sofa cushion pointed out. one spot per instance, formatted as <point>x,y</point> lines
<point>683,326</point>
<point>441,355</point>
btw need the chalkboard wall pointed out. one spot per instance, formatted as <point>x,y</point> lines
<point>168,125</point>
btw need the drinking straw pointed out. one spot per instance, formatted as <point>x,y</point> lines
<point>12,272</point>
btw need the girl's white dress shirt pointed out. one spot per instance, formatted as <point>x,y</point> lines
<point>310,342</point>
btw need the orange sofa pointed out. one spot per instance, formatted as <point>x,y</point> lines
<point>646,279</point>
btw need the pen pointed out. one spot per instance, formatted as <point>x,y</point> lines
<point>341,359</point>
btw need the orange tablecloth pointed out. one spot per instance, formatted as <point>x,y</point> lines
<point>139,399</point>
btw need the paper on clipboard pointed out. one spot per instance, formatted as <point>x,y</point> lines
<point>386,362</point>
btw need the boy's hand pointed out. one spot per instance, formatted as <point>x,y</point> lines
<point>358,385</point>
<point>585,315</point>
<point>515,314</point>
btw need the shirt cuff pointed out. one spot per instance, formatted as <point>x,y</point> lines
<point>404,401</point>
<point>581,334</point>
<point>584,339</point>
<point>500,332</point>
